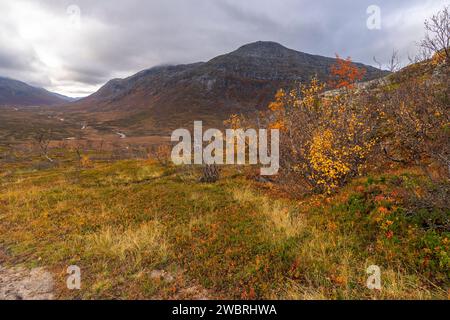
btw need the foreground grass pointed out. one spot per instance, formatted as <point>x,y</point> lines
<point>119,222</point>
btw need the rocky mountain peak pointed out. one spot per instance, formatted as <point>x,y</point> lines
<point>264,49</point>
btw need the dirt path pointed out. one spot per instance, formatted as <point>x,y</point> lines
<point>22,284</point>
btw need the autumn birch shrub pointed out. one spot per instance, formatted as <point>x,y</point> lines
<point>416,114</point>
<point>325,138</point>
<point>416,124</point>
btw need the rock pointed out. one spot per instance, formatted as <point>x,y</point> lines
<point>161,275</point>
<point>21,284</point>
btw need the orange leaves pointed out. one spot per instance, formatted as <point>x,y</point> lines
<point>278,125</point>
<point>277,108</point>
<point>344,73</point>
<point>383,210</point>
<point>339,280</point>
<point>380,215</point>
<point>332,226</point>
<point>277,105</point>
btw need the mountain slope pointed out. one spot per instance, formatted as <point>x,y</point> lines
<point>17,93</point>
<point>167,97</point>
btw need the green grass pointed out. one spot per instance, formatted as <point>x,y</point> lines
<point>120,221</point>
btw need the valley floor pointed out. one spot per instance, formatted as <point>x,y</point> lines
<point>139,230</point>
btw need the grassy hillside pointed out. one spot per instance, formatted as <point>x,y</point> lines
<point>141,230</point>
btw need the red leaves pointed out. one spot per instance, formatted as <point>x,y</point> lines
<point>344,73</point>
<point>248,295</point>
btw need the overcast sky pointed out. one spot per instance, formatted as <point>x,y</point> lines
<point>73,47</point>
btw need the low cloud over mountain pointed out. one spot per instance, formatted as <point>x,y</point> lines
<point>74,50</point>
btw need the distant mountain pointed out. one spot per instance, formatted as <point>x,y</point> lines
<point>17,93</point>
<point>167,97</point>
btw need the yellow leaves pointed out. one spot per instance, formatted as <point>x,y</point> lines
<point>276,106</point>
<point>331,155</point>
<point>388,223</point>
<point>310,93</point>
<point>234,122</point>
<point>280,94</point>
<point>329,136</point>
<point>306,96</point>
<point>438,58</point>
<point>277,109</point>
<point>326,161</point>
<point>85,161</point>
<point>301,97</point>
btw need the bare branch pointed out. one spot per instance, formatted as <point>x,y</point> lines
<point>43,140</point>
<point>394,62</point>
<point>437,38</point>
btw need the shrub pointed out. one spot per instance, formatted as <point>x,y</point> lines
<point>326,138</point>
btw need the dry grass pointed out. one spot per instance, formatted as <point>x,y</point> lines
<point>283,216</point>
<point>141,244</point>
<point>120,221</point>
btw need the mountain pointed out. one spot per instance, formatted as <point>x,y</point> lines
<point>167,97</point>
<point>17,93</point>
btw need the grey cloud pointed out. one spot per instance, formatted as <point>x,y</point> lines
<point>119,38</point>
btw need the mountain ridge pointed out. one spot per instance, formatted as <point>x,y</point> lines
<point>18,93</point>
<point>170,96</point>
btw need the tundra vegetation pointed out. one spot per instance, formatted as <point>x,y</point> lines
<point>364,180</point>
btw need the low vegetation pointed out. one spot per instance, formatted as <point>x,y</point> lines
<point>238,238</point>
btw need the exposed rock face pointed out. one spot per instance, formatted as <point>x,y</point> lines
<point>16,93</point>
<point>244,80</point>
<point>21,284</point>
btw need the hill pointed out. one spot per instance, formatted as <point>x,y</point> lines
<point>17,93</point>
<point>166,97</point>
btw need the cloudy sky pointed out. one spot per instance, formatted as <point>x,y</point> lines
<point>73,47</point>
